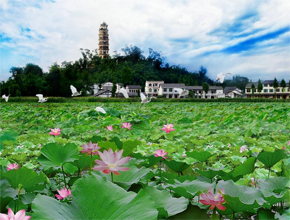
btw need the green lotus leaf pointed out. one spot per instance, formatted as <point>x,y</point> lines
<point>96,198</point>
<point>211,173</point>
<point>83,161</point>
<point>127,178</point>
<point>69,168</point>
<point>239,196</point>
<point>191,213</point>
<point>129,146</point>
<point>6,190</point>
<point>247,167</point>
<point>274,189</point>
<point>163,199</point>
<point>96,139</point>
<point>200,156</point>
<point>27,198</point>
<point>106,145</point>
<point>269,159</point>
<point>54,155</point>
<point>189,189</point>
<point>7,138</point>
<point>265,214</point>
<point>26,178</point>
<point>117,141</point>
<point>176,166</point>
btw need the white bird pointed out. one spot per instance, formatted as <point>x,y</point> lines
<point>100,109</point>
<point>5,97</point>
<point>41,99</point>
<point>74,91</point>
<point>181,92</point>
<point>145,99</point>
<point>221,77</point>
<point>124,92</point>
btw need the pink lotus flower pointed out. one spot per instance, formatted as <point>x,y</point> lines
<point>12,166</point>
<point>111,162</point>
<point>160,153</point>
<point>229,145</point>
<point>90,148</point>
<point>214,200</point>
<point>243,148</point>
<point>149,143</point>
<point>63,193</point>
<point>288,143</point>
<point>126,125</point>
<point>168,128</point>
<point>110,127</point>
<point>20,215</point>
<point>55,131</point>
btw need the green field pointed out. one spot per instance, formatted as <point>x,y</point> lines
<point>204,152</point>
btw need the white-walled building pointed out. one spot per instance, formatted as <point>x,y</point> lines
<point>152,87</point>
<point>214,92</point>
<point>268,90</point>
<point>167,90</point>
<point>133,90</point>
<point>106,89</point>
<point>232,92</point>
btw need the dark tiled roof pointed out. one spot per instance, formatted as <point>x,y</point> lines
<point>172,85</point>
<point>194,87</point>
<point>200,87</point>
<point>134,86</point>
<point>250,84</point>
<point>229,89</point>
<point>101,91</point>
<point>266,82</point>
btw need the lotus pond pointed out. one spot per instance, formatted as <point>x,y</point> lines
<point>154,161</point>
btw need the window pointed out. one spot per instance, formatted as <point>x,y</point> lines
<point>248,90</point>
<point>271,90</point>
<point>277,90</point>
<point>170,90</point>
<point>150,90</point>
<point>155,90</point>
<point>265,90</point>
<point>150,84</point>
<point>164,90</point>
<point>155,84</point>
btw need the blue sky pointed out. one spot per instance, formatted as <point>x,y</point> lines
<point>244,37</point>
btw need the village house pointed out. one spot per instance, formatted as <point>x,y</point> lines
<point>268,91</point>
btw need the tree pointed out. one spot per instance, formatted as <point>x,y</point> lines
<point>205,87</point>
<point>275,85</point>
<point>283,84</point>
<point>126,75</point>
<point>114,88</point>
<point>253,89</point>
<point>260,87</point>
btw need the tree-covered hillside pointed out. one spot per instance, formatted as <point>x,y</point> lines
<point>131,68</point>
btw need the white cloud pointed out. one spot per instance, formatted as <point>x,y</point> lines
<point>60,28</point>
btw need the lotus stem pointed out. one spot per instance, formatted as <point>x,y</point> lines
<point>18,198</point>
<point>63,176</point>
<point>269,172</point>
<point>160,164</point>
<point>112,177</point>
<point>90,172</point>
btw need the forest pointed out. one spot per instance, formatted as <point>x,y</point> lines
<point>130,68</point>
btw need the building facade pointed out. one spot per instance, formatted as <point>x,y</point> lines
<point>167,90</point>
<point>268,91</point>
<point>152,87</point>
<point>133,90</point>
<point>214,92</point>
<point>103,40</point>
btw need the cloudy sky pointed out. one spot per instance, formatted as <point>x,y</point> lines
<point>246,37</point>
